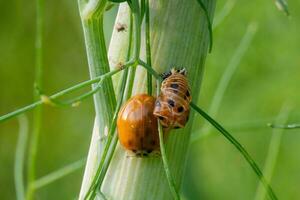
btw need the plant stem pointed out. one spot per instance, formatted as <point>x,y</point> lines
<point>19,157</point>
<point>38,112</point>
<point>136,178</point>
<point>65,91</point>
<point>137,29</point>
<point>148,47</point>
<point>169,176</point>
<point>240,148</point>
<point>97,181</point>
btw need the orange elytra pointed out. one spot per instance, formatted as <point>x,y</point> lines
<point>137,126</point>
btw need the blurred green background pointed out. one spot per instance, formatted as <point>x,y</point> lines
<point>267,77</point>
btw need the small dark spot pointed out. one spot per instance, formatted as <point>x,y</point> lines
<point>153,142</point>
<point>145,154</point>
<point>187,93</point>
<point>121,27</point>
<point>166,74</point>
<point>149,151</point>
<point>171,102</point>
<point>184,97</point>
<point>164,126</point>
<point>161,118</point>
<point>180,109</point>
<point>178,70</point>
<point>177,127</point>
<point>187,117</point>
<point>134,150</point>
<point>174,85</point>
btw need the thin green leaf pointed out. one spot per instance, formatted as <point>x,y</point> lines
<point>239,147</point>
<point>65,91</point>
<point>209,24</point>
<point>19,157</point>
<point>169,176</point>
<point>148,47</point>
<point>58,174</point>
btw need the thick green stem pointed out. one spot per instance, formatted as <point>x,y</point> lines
<point>136,178</point>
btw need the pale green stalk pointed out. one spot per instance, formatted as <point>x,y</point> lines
<point>19,157</point>
<point>136,178</point>
<point>273,151</point>
<point>65,92</point>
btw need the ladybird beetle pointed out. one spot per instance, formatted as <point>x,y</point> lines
<point>172,105</point>
<point>137,126</point>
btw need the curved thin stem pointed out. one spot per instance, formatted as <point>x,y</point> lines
<point>34,139</point>
<point>19,157</point>
<point>65,91</point>
<point>148,47</point>
<point>169,176</point>
<point>209,24</point>
<point>240,148</point>
<point>150,70</point>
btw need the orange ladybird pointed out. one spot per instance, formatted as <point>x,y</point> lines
<point>137,126</point>
<point>172,106</point>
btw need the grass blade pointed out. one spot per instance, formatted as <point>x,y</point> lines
<point>19,157</point>
<point>58,174</point>
<point>273,151</point>
<point>239,147</point>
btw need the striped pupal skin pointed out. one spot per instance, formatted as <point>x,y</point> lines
<point>172,105</point>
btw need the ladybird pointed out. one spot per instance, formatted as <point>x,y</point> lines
<point>138,127</point>
<point>172,106</point>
